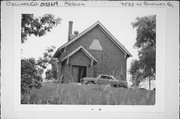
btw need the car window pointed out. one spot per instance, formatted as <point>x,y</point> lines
<point>103,77</point>
<point>109,77</point>
<point>106,77</point>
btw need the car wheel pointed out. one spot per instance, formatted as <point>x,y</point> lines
<point>115,85</point>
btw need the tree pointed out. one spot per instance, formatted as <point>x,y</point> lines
<point>136,72</point>
<point>144,67</point>
<point>31,69</point>
<point>37,26</point>
<point>47,60</point>
<point>49,74</point>
<point>47,56</point>
<point>30,77</point>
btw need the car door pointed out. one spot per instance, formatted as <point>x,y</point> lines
<point>112,80</point>
<point>103,80</point>
<point>109,79</point>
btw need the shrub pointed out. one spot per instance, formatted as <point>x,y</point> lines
<point>30,78</point>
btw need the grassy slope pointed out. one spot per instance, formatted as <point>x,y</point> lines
<point>90,94</point>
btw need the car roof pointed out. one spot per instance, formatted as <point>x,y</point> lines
<point>105,75</point>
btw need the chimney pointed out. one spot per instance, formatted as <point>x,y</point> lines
<point>76,33</point>
<point>70,30</point>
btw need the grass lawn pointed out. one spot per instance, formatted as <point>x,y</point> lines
<point>52,93</point>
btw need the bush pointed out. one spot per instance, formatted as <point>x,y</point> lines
<point>30,78</point>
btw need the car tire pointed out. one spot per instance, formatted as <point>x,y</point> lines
<point>115,85</point>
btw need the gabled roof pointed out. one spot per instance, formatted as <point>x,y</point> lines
<point>84,50</point>
<point>105,31</point>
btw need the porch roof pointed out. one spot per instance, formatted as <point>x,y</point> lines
<point>85,52</point>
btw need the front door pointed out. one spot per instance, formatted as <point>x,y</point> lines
<point>78,72</point>
<point>75,72</point>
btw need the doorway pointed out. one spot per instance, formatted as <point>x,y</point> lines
<point>78,72</point>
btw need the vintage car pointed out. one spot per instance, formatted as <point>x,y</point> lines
<point>104,80</point>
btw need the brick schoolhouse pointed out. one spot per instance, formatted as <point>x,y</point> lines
<point>90,53</point>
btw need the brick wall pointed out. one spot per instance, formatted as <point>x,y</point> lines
<point>111,58</point>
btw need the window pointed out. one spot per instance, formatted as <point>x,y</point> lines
<point>95,45</point>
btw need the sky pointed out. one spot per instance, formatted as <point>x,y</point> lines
<point>117,20</point>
